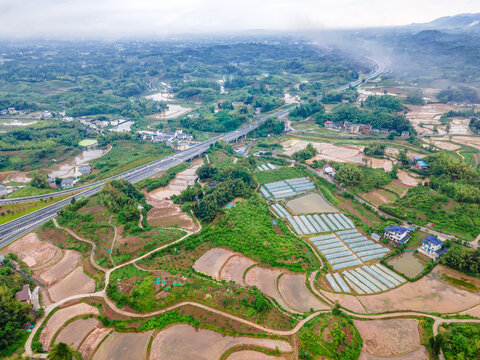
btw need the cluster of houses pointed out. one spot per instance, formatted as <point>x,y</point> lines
<point>431,245</point>
<point>177,139</point>
<point>365,129</point>
<point>84,169</point>
<point>42,115</point>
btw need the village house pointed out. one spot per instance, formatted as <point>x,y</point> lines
<point>405,134</point>
<point>24,295</point>
<point>365,129</point>
<point>397,234</point>
<point>85,169</point>
<point>67,183</point>
<point>329,170</point>
<point>432,247</point>
<point>421,164</point>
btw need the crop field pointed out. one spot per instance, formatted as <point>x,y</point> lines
<point>186,342</point>
<point>284,173</point>
<point>87,142</point>
<point>70,261</point>
<point>252,355</point>
<point>76,282</point>
<point>92,341</point>
<point>234,269</point>
<point>213,261</point>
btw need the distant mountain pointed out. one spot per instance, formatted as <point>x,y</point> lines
<point>461,22</point>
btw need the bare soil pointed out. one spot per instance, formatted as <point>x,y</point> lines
<point>31,250</point>
<point>77,282</point>
<point>388,337</point>
<point>429,294</point>
<point>326,151</point>
<point>310,203</point>
<point>407,179</point>
<point>212,261</point>
<point>347,301</point>
<point>91,343</point>
<point>296,294</point>
<point>420,354</point>
<point>74,333</point>
<point>384,164</point>
<point>60,317</point>
<point>70,261</point>
<point>234,269</point>
<point>167,214</point>
<point>266,281</point>
<point>186,342</point>
<point>124,346</point>
<point>252,355</point>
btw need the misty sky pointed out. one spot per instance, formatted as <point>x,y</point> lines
<point>137,18</point>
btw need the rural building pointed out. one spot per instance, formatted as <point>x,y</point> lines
<point>365,129</point>
<point>337,126</point>
<point>11,110</point>
<point>24,295</point>
<point>2,259</point>
<point>85,169</point>
<point>421,164</point>
<point>3,190</point>
<point>405,134</point>
<point>329,170</point>
<point>397,234</point>
<point>67,183</point>
<point>328,124</point>
<point>432,247</point>
<point>355,128</point>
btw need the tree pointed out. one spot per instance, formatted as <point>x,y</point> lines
<point>402,157</point>
<point>39,181</point>
<point>13,315</point>
<point>349,175</point>
<point>62,351</point>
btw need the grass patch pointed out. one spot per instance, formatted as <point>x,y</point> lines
<point>284,173</point>
<point>459,282</point>
<point>29,191</point>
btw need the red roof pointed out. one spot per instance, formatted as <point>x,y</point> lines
<point>328,122</point>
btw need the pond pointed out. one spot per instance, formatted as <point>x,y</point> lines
<point>408,263</point>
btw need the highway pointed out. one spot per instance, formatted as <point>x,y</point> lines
<point>16,228</point>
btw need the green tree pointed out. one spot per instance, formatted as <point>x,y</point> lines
<point>349,175</point>
<point>39,181</point>
<point>13,315</point>
<point>62,351</point>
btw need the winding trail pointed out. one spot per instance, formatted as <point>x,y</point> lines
<point>102,294</point>
<point>113,241</point>
<point>94,246</point>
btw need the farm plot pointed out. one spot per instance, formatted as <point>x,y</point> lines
<point>252,355</point>
<point>287,188</point>
<point>60,317</point>
<point>388,337</point>
<point>310,203</point>
<point>379,197</point>
<point>32,251</point>
<point>266,281</point>
<point>70,261</point>
<point>266,167</point>
<point>293,290</point>
<point>234,269</point>
<point>77,282</point>
<point>124,346</point>
<point>212,262</point>
<point>316,224</point>
<point>74,333</point>
<point>363,248</point>
<point>429,294</point>
<point>92,341</point>
<point>337,254</point>
<point>419,354</point>
<point>186,342</point>
<point>180,182</point>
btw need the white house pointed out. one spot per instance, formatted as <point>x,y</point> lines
<point>432,247</point>
<point>397,234</point>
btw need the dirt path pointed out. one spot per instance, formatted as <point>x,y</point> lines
<point>94,246</point>
<point>458,153</point>
<point>113,241</point>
